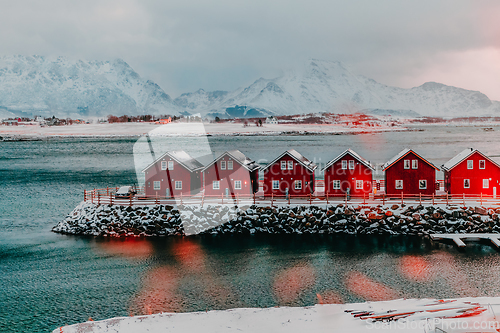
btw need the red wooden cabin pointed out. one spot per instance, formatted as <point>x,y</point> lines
<point>231,173</point>
<point>471,172</point>
<point>290,173</point>
<point>410,174</point>
<point>348,172</point>
<point>173,173</point>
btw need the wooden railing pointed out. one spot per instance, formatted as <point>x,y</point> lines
<point>107,197</point>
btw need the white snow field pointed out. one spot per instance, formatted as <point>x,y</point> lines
<point>414,315</point>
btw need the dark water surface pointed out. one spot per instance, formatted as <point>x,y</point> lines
<point>48,280</point>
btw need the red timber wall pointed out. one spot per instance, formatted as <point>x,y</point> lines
<point>454,179</point>
<point>167,179</point>
<point>227,179</point>
<point>410,177</point>
<point>348,177</point>
<point>287,177</point>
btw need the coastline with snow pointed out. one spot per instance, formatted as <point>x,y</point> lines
<point>407,315</point>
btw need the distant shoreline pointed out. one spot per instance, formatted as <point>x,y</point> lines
<point>35,133</point>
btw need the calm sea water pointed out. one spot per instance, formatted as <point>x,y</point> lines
<point>48,280</point>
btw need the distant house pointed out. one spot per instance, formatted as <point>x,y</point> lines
<point>409,173</point>
<point>172,174</point>
<point>231,174</point>
<point>290,173</point>
<point>471,173</point>
<point>10,122</point>
<point>348,172</point>
<point>164,121</point>
<point>271,120</point>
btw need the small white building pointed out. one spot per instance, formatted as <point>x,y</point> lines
<point>271,120</point>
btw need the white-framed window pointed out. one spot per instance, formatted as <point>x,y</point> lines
<point>399,183</point>
<point>156,185</point>
<point>470,164</point>
<point>164,165</point>
<point>466,183</point>
<point>298,184</point>
<point>223,165</point>
<point>482,164</point>
<point>351,165</point>
<point>283,165</point>
<point>215,185</point>
<point>237,184</point>
<point>178,184</point>
<point>414,164</point>
<point>336,184</point>
<point>422,184</point>
<point>406,164</point>
<point>290,165</point>
<point>276,184</point>
<point>170,165</point>
<point>486,183</point>
<point>359,184</point>
<point>344,165</point>
<point>230,165</point>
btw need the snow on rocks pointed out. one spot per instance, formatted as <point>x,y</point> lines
<point>164,220</point>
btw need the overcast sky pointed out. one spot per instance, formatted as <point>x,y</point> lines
<point>225,44</point>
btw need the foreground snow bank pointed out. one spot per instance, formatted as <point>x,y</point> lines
<point>426,315</point>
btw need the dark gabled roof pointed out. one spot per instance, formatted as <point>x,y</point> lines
<point>181,157</point>
<point>462,156</point>
<point>353,154</point>
<point>296,156</point>
<point>239,157</point>
<point>402,154</point>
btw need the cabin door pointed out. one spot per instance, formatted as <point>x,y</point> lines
<point>494,192</point>
<point>168,193</point>
<point>227,192</point>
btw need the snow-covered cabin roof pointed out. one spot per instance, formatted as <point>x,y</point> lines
<point>462,156</point>
<point>296,156</point>
<point>353,154</point>
<point>181,157</point>
<point>402,154</point>
<point>239,157</point>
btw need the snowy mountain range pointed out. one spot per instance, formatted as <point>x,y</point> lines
<point>74,88</point>
<point>67,88</point>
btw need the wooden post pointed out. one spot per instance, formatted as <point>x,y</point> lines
<point>364,199</point>
<point>107,191</point>
<point>254,198</point>
<point>156,199</point>
<point>383,199</point>
<point>433,199</point>
<point>202,198</point>
<point>420,197</point>
<point>272,197</point>
<point>222,196</point>
<point>236,199</point>
<point>181,198</point>
<point>289,199</point>
<point>346,199</point>
<point>310,199</point>
<point>130,203</point>
<point>98,198</point>
<point>84,195</point>
<point>327,198</point>
<point>111,200</point>
<point>402,201</point>
<point>464,198</point>
<point>481,198</point>
<point>446,198</point>
<point>93,192</point>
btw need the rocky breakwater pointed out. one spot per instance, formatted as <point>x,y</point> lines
<point>164,220</point>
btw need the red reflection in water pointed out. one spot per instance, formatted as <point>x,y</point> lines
<point>414,268</point>
<point>127,247</point>
<point>291,282</point>
<point>368,289</point>
<point>189,254</point>
<point>159,293</point>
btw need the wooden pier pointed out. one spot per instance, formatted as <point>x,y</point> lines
<point>459,239</point>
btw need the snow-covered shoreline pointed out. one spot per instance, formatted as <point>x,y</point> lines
<point>418,315</point>
<point>182,129</point>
